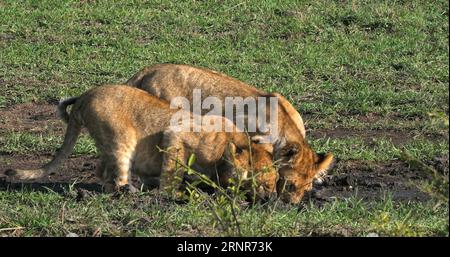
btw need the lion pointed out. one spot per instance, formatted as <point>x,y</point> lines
<point>299,164</point>
<point>133,133</point>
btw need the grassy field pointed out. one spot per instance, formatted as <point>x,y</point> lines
<point>368,77</point>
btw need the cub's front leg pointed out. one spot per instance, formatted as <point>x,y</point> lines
<point>173,159</point>
<point>116,154</point>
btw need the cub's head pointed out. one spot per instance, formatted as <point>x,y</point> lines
<point>253,164</point>
<point>298,167</point>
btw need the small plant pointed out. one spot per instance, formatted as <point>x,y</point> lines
<point>225,204</point>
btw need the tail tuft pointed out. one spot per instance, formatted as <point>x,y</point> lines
<point>62,108</point>
<point>11,173</point>
<point>25,174</point>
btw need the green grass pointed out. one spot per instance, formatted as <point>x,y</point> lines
<point>25,142</point>
<point>51,214</point>
<point>379,149</point>
<point>355,65</point>
<point>332,59</point>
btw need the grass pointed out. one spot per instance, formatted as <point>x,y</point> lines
<point>347,65</point>
<point>25,142</point>
<point>51,214</point>
<point>379,149</point>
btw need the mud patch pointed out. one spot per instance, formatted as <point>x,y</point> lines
<point>440,163</point>
<point>31,117</point>
<point>79,171</point>
<point>360,179</point>
<point>372,181</point>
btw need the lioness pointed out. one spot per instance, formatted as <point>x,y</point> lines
<point>299,164</point>
<point>127,125</point>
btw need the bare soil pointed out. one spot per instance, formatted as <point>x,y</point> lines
<point>76,170</point>
<point>368,181</point>
<point>374,181</point>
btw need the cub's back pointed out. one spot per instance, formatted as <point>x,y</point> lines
<point>181,80</point>
<point>123,104</point>
<point>168,81</point>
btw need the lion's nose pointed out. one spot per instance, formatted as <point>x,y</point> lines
<point>273,195</point>
<point>266,193</point>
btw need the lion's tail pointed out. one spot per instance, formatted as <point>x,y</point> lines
<point>70,138</point>
<point>62,108</point>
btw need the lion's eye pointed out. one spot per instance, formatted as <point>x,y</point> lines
<point>239,150</point>
<point>290,187</point>
<point>290,153</point>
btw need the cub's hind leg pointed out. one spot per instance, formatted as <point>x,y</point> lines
<point>100,171</point>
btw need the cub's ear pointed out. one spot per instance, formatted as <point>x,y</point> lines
<point>262,143</point>
<point>259,139</point>
<point>231,150</point>
<point>256,139</point>
<point>325,162</point>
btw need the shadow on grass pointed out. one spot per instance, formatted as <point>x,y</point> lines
<point>57,187</point>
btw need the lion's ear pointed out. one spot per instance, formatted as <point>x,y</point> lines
<point>325,162</point>
<point>230,152</point>
<point>260,139</point>
<point>256,139</point>
<point>262,143</point>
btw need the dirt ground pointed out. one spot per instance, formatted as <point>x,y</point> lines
<point>350,178</point>
<point>366,180</point>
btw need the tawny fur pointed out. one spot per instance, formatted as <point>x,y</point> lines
<point>299,164</point>
<point>127,125</point>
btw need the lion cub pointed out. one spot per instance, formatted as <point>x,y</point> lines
<point>299,165</point>
<point>133,133</point>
